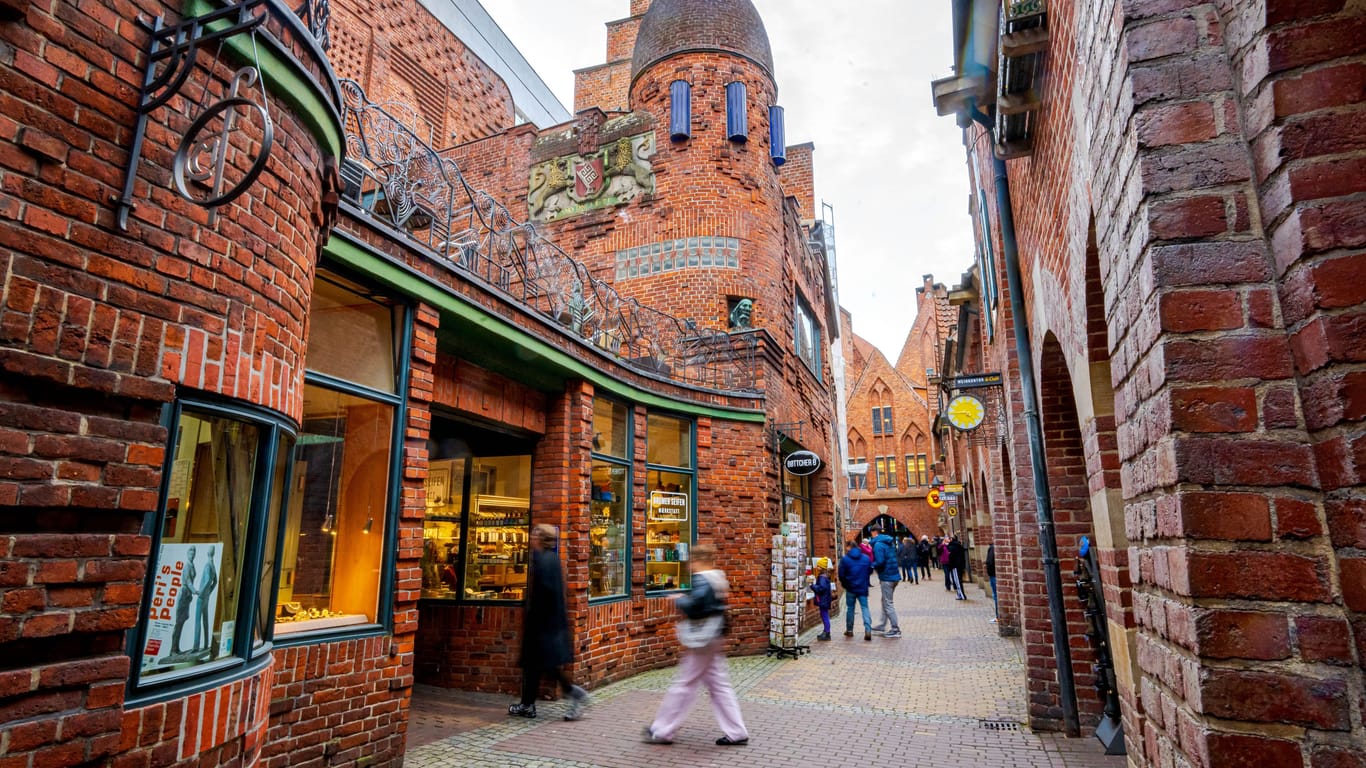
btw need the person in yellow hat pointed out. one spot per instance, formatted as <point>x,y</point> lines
<point>822,591</point>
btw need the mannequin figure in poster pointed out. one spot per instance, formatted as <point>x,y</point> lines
<point>208,582</point>
<point>182,605</point>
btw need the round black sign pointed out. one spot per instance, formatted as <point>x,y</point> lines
<point>802,463</point>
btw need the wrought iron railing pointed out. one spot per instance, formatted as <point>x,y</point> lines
<point>315,15</point>
<point>393,174</point>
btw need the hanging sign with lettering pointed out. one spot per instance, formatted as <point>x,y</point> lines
<point>802,463</point>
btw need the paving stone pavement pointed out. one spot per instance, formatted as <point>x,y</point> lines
<point>921,700</point>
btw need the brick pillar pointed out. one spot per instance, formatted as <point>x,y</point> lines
<point>1205,248</point>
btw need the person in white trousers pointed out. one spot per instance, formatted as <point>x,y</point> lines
<point>701,626</point>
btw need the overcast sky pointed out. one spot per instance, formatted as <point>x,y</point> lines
<point>854,78</point>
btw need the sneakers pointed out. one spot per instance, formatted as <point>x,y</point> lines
<point>868,635</point>
<point>991,621</point>
<point>894,634</point>
<point>522,710</point>
<point>726,741</point>
<point>823,636</point>
<point>651,738</point>
<point>848,633</point>
<point>578,699</point>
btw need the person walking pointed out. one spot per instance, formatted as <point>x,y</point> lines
<point>701,624</point>
<point>991,577</point>
<point>909,556</point>
<point>888,576</point>
<point>944,563</point>
<point>924,548</point>
<point>822,591</point>
<point>854,572</point>
<point>545,630</point>
<point>957,559</point>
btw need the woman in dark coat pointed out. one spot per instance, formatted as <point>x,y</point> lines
<point>545,630</point>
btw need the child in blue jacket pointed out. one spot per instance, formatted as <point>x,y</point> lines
<point>823,593</point>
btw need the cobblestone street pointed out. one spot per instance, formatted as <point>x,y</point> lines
<point>949,693</point>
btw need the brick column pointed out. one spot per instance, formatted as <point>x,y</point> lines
<point>1220,478</point>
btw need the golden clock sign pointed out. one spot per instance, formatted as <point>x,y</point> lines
<point>966,412</point>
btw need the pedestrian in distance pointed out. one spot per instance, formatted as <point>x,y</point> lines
<point>958,557</point>
<point>924,549</point>
<point>700,627</point>
<point>854,572</point>
<point>888,572</point>
<point>546,647</point>
<point>909,555</point>
<point>944,563</point>
<point>991,577</point>
<point>866,546</point>
<point>822,589</point>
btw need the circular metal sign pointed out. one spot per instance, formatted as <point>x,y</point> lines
<point>953,511</point>
<point>966,412</point>
<point>802,463</point>
<point>932,498</point>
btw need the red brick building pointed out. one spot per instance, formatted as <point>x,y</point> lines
<point>892,412</point>
<point>1184,203</point>
<point>274,423</point>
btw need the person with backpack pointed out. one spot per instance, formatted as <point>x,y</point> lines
<point>854,572</point>
<point>701,624</point>
<point>888,575</point>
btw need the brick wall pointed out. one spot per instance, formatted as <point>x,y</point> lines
<point>1189,242</point>
<point>98,328</point>
<point>400,53</point>
<point>798,178</point>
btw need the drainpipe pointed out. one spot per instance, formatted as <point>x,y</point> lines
<point>1043,499</point>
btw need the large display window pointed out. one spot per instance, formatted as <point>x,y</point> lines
<point>476,539</point>
<point>669,514</point>
<point>333,553</point>
<point>340,501</point>
<point>213,548</point>
<point>797,505</point>
<point>610,502</point>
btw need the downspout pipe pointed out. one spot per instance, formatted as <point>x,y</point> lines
<point>1043,498</point>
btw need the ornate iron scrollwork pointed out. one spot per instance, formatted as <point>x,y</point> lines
<point>190,159</point>
<point>171,56</point>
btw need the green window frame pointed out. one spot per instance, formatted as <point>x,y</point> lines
<point>214,547</point>
<point>670,461</point>
<point>611,497</point>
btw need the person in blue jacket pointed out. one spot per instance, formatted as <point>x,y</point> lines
<point>888,568</point>
<point>854,573</point>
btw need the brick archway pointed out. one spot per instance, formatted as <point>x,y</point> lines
<point>1067,480</point>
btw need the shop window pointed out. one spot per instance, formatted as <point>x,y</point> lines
<point>499,504</point>
<point>610,502</point>
<point>669,514</point>
<point>213,550</point>
<point>442,539</point>
<point>807,338</point>
<point>334,552</point>
<point>340,502</point>
<point>351,335</point>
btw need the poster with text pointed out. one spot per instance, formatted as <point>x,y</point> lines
<point>183,610</point>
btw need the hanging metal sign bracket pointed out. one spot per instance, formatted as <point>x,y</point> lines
<point>173,49</point>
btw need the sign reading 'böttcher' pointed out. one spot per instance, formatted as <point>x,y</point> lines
<point>802,463</point>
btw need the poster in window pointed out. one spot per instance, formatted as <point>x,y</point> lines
<point>184,605</point>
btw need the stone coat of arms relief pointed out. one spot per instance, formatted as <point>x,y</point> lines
<point>617,173</point>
